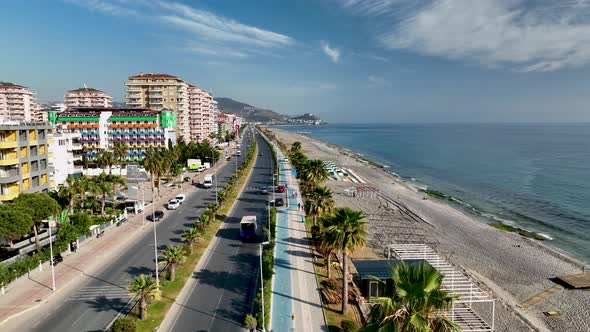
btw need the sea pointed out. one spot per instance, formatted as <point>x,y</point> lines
<point>532,176</point>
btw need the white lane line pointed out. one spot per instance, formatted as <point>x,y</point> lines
<point>37,323</point>
<point>77,320</point>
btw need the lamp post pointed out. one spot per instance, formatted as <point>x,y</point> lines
<point>155,239</point>
<point>51,259</point>
<point>262,287</point>
<point>215,175</point>
<point>143,203</point>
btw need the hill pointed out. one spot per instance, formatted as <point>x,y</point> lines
<point>249,112</point>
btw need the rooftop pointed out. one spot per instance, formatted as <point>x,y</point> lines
<point>11,85</point>
<point>85,90</point>
<point>152,75</point>
<point>380,268</point>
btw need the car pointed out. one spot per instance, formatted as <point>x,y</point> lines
<point>263,190</point>
<point>286,159</point>
<point>281,189</point>
<point>279,201</point>
<point>201,168</point>
<point>173,204</point>
<point>260,154</point>
<point>156,216</point>
<point>228,158</point>
<point>180,198</point>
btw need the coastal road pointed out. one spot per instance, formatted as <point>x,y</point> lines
<point>97,302</point>
<point>224,291</point>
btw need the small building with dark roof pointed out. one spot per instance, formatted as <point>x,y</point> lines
<point>380,268</point>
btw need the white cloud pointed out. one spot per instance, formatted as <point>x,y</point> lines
<point>377,81</point>
<point>332,52</point>
<point>531,35</point>
<point>221,36</point>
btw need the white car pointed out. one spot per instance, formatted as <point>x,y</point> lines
<point>173,204</point>
<point>180,198</point>
<point>201,168</point>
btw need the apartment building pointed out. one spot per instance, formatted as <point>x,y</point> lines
<point>139,129</point>
<point>17,103</point>
<point>24,166</point>
<point>87,97</point>
<point>158,92</point>
<point>65,157</point>
<point>228,123</point>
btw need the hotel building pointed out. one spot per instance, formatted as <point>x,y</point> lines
<point>158,92</point>
<point>139,129</point>
<point>18,103</point>
<point>24,166</point>
<point>87,97</point>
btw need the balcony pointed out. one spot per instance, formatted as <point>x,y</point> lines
<point>8,144</point>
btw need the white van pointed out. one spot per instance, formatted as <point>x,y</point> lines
<point>208,181</point>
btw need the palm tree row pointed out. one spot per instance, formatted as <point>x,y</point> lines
<point>416,302</point>
<point>79,191</point>
<point>144,287</point>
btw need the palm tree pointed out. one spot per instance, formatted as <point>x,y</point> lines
<point>69,192</point>
<point>296,147</point>
<point>190,236</point>
<point>314,172</point>
<point>106,159</point>
<point>347,233</point>
<point>120,152</point>
<point>103,187</point>
<point>81,187</point>
<point>415,303</point>
<point>116,181</point>
<point>170,257</point>
<point>319,201</point>
<point>145,288</point>
<point>153,164</point>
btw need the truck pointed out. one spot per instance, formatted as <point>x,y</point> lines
<point>193,164</point>
<point>248,228</point>
<point>208,181</point>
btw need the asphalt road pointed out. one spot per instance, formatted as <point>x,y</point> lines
<point>225,289</point>
<point>97,302</point>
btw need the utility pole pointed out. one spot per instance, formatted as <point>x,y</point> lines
<point>51,259</point>
<point>155,240</point>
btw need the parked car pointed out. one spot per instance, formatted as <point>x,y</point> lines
<point>201,168</point>
<point>173,204</point>
<point>279,201</point>
<point>156,216</point>
<point>180,198</point>
<point>281,189</point>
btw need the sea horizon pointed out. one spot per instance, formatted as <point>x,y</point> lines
<point>529,179</point>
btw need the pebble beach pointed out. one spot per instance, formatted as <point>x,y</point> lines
<point>510,267</point>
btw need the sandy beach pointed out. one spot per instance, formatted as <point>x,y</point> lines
<point>510,267</point>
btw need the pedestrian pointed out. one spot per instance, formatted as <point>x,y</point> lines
<point>302,219</point>
<point>298,206</point>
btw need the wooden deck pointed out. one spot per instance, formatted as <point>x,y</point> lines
<point>579,280</point>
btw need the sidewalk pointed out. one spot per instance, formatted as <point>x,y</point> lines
<point>296,303</point>
<point>27,294</point>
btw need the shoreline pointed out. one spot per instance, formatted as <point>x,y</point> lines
<point>513,268</point>
<point>454,202</point>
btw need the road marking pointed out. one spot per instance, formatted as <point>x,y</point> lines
<point>37,323</point>
<point>77,320</point>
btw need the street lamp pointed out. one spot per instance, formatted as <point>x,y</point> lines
<point>262,285</point>
<point>51,257</point>
<point>215,175</point>
<point>155,239</point>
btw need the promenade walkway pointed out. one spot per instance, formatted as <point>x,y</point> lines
<point>34,291</point>
<point>296,303</point>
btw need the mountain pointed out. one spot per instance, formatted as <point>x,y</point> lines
<point>249,112</point>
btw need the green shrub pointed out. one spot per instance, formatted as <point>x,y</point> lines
<point>124,324</point>
<point>349,326</point>
<point>250,322</point>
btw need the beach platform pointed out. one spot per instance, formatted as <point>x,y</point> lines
<point>576,281</point>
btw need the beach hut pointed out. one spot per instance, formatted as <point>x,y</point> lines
<point>380,268</point>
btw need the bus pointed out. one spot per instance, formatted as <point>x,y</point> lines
<point>248,228</point>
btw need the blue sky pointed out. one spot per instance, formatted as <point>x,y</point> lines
<point>345,60</point>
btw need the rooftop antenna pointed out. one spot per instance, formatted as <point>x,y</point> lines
<point>85,88</point>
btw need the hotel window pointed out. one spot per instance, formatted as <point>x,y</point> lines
<point>35,181</point>
<point>33,151</point>
<point>43,163</point>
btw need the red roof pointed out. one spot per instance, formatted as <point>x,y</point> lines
<point>152,75</point>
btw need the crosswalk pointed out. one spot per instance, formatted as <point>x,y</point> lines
<point>110,292</point>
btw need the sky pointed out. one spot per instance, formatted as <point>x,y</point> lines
<point>365,61</point>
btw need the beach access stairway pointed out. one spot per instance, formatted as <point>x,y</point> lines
<point>472,303</point>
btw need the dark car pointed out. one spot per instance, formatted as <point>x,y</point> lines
<point>157,216</point>
<point>263,190</point>
<point>279,202</point>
